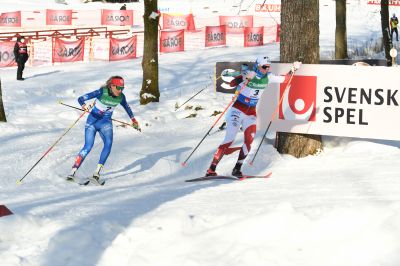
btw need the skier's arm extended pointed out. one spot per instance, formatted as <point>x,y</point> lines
<point>128,110</point>
<point>88,96</point>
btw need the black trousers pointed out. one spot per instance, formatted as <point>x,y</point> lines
<point>20,69</point>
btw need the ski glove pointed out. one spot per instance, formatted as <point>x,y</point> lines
<point>244,69</point>
<point>296,65</point>
<point>135,124</point>
<point>86,108</point>
<point>250,75</point>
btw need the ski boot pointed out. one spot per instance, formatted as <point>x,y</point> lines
<point>96,176</point>
<point>211,172</point>
<point>237,173</point>
<point>71,176</point>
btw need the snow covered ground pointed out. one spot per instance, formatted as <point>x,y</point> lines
<point>341,207</point>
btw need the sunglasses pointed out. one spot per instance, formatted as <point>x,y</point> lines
<point>120,88</point>
<point>265,66</point>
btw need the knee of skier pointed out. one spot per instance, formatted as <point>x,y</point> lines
<point>249,134</point>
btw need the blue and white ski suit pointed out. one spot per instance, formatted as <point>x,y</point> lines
<point>99,120</point>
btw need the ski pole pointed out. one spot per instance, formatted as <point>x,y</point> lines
<point>52,146</point>
<point>272,118</point>
<point>176,108</point>
<point>231,102</point>
<point>77,108</point>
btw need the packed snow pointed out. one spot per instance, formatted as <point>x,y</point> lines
<point>340,207</point>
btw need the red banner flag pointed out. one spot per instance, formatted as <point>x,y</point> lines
<point>123,49</point>
<point>236,24</point>
<point>172,41</point>
<point>58,17</point>
<point>68,51</point>
<point>378,2</point>
<point>215,35</point>
<point>268,8</point>
<point>117,17</point>
<point>183,22</point>
<point>253,36</point>
<point>10,19</point>
<point>6,54</point>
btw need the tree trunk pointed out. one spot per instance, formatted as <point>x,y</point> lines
<point>299,41</point>
<point>387,41</point>
<point>150,91</point>
<point>340,33</point>
<point>2,113</point>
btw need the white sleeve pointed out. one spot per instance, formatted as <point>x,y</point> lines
<point>272,78</point>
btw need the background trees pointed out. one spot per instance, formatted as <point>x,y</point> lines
<point>150,90</point>
<point>340,32</point>
<point>299,42</point>
<point>387,41</point>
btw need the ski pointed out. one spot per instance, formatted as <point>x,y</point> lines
<point>77,181</point>
<point>227,177</point>
<point>255,176</point>
<point>216,177</point>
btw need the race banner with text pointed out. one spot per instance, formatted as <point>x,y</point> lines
<point>268,8</point>
<point>10,19</point>
<point>378,2</point>
<point>7,58</point>
<point>58,17</point>
<point>68,51</point>
<point>337,100</point>
<point>253,36</point>
<point>172,41</point>
<point>175,22</point>
<point>117,17</point>
<point>215,36</point>
<point>236,24</point>
<point>123,49</point>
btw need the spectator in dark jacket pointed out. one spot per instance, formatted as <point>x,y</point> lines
<point>123,7</point>
<point>21,55</point>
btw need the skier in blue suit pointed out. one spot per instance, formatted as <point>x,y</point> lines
<point>108,97</point>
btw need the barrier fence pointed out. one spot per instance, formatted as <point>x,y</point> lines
<point>121,42</point>
<point>106,17</point>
